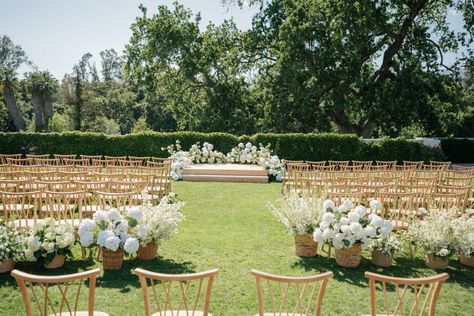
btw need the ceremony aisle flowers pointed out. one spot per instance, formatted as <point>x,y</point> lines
<point>300,216</point>
<point>156,224</point>
<point>463,228</point>
<point>384,249</point>
<point>348,228</point>
<point>11,247</point>
<point>436,236</point>
<point>110,231</point>
<point>50,241</point>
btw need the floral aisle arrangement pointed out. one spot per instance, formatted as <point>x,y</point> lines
<point>109,230</point>
<point>50,241</point>
<point>11,247</point>
<point>463,228</point>
<point>245,154</point>
<point>300,216</point>
<point>348,228</point>
<point>383,249</point>
<point>156,224</point>
<point>435,235</point>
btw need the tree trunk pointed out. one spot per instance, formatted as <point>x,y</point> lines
<point>37,101</point>
<point>13,109</point>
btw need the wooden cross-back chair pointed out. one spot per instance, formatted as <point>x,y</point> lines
<point>109,176</point>
<point>176,294</point>
<point>365,164</point>
<point>12,175</point>
<point>58,295</point>
<point>447,202</point>
<point>57,186</point>
<point>414,164</point>
<point>97,162</point>
<point>35,156</point>
<point>20,208</point>
<point>458,181</point>
<point>404,296</point>
<point>4,157</point>
<point>118,200</point>
<point>74,175</point>
<point>46,162</point>
<point>428,167</point>
<point>20,161</point>
<point>379,168</point>
<point>89,169</point>
<point>143,160</point>
<point>340,197</point>
<point>88,159</point>
<point>339,164</point>
<point>294,172</point>
<point>62,206</point>
<point>287,296</point>
<point>386,163</point>
<point>161,178</point>
<point>132,164</point>
<point>316,165</point>
<point>446,164</point>
<point>398,207</point>
<point>7,185</point>
<point>42,175</point>
<point>63,157</point>
<point>74,162</point>
<point>127,186</point>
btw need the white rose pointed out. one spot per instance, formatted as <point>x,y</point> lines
<point>360,210</point>
<point>344,221</point>
<point>370,231</point>
<point>86,238</point>
<point>248,145</point>
<point>356,228</point>
<point>345,229</point>
<point>114,215</point>
<point>34,244</point>
<point>375,220</point>
<point>444,252</point>
<point>328,204</point>
<point>112,243</point>
<point>131,245</point>
<point>328,218</point>
<point>87,224</point>
<point>100,216</point>
<point>375,205</point>
<point>135,213</point>
<point>102,237</point>
<point>353,217</point>
<point>318,236</point>
<point>328,233</point>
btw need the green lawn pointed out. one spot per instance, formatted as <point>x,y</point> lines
<point>228,227</point>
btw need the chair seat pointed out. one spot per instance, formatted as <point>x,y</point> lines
<point>400,225</point>
<point>180,313</point>
<point>17,207</point>
<point>85,313</point>
<point>23,223</point>
<point>55,208</point>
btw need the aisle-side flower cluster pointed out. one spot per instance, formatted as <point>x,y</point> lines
<point>346,225</point>
<point>299,214</point>
<point>463,228</point>
<point>49,238</point>
<point>11,243</point>
<point>109,229</point>
<point>435,234</point>
<point>157,223</point>
<point>388,245</point>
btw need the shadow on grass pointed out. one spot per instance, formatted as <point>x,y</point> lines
<point>122,279</point>
<point>402,267</point>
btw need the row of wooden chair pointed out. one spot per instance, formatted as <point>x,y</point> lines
<point>190,294</point>
<point>332,165</point>
<point>80,160</point>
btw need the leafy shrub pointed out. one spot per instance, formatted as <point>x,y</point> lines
<point>458,150</point>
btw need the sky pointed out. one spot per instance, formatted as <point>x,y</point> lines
<point>56,33</point>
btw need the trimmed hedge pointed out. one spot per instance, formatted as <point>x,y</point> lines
<point>458,150</point>
<point>289,146</point>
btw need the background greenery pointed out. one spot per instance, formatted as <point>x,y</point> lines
<point>311,147</point>
<point>373,68</point>
<point>228,227</point>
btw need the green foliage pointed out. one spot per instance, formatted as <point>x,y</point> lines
<point>59,123</point>
<point>311,147</point>
<point>458,150</point>
<point>140,126</point>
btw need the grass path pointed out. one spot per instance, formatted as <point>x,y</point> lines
<point>228,227</point>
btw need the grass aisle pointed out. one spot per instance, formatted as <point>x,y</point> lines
<point>228,227</point>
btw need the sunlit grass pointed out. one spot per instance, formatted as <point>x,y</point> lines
<point>228,227</point>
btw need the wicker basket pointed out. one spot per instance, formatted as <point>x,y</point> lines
<point>436,263</point>
<point>381,260</point>
<point>305,246</point>
<point>349,257</point>
<point>112,260</point>
<point>467,261</point>
<point>7,265</point>
<point>148,252</point>
<point>57,262</point>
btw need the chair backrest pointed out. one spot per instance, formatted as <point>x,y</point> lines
<point>3,157</point>
<point>62,205</point>
<point>339,164</point>
<point>59,295</point>
<point>170,293</point>
<point>74,162</point>
<point>282,295</point>
<point>389,164</point>
<point>20,161</point>
<point>458,181</point>
<point>415,164</point>
<point>411,296</point>
<point>119,200</point>
<point>21,206</point>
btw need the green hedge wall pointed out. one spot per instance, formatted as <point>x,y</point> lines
<point>458,150</point>
<point>289,146</point>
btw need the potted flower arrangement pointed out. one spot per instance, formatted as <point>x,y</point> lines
<point>109,231</point>
<point>464,239</point>
<point>11,247</point>
<point>383,250</point>
<point>155,224</point>
<point>435,236</point>
<point>51,242</point>
<point>300,216</point>
<point>347,229</point>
